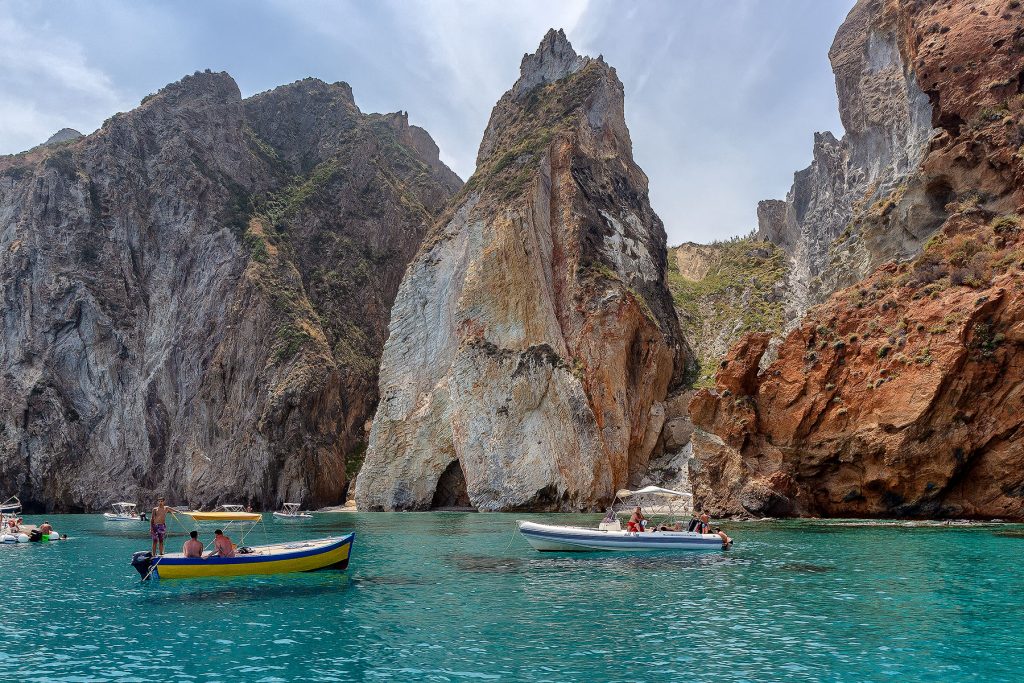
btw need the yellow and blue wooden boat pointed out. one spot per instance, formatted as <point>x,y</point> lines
<point>278,558</point>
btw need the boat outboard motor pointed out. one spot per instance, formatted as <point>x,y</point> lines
<point>142,517</point>
<point>35,536</point>
<point>694,523</point>
<point>142,560</point>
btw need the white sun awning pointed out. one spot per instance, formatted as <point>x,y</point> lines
<point>652,491</point>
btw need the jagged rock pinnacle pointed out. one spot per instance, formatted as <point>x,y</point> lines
<point>554,59</point>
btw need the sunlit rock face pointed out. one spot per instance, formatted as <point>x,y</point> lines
<point>533,337</point>
<point>901,395</point>
<point>888,122</point>
<point>196,295</point>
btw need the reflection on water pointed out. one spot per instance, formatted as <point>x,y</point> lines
<point>243,589</point>
<point>459,597</point>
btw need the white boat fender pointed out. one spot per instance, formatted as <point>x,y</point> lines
<point>22,538</point>
<point>8,538</point>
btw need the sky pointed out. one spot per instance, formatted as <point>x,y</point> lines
<point>722,98</point>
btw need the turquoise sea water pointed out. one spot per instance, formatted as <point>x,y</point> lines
<point>458,597</point>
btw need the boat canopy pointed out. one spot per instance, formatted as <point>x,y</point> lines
<point>223,516</point>
<point>652,491</point>
<point>124,505</point>
<point>292,507</point>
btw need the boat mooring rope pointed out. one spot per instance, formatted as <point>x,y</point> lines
<point>152,568</point>
<point>510,540</point>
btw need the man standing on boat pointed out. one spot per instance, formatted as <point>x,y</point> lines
<point>158,525</point>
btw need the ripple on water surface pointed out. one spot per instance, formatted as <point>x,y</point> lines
<point>446,597</point>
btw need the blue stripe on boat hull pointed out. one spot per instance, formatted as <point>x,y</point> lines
<point>245,559</point>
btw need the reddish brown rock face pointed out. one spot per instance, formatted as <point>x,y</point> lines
<point>904,394</point>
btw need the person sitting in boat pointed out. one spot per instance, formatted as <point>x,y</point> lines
<point>222,545</point>
<point>193,546</point>
<point>609,516</point>
<point>704,527</point>
<point>636,520</point>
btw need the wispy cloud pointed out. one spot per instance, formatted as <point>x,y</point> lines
<point>46,84</point>
<point>722,99</point>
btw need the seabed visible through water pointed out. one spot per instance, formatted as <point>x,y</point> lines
<point>459,597</point>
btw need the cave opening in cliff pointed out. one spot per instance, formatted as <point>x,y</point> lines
<point>451,489</point>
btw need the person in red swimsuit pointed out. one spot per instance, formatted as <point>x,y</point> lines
<point>636,521</point>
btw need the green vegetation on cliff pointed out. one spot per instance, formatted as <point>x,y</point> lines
<point>724,290</point>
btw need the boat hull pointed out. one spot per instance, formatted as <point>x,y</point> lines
<point>553,538</point>
<point>285,516</point>
<point>282,558</point>
<point>111,517</point>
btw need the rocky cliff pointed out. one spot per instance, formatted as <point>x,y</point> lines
<point>196,295</point>
<point>825,225</point>
<point>901,395</point>
<point>533,337</point>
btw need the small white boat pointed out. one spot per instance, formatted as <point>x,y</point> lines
<point>292,511</point>
<point>611,536</point>
<point>9,509</point>
<point>124,512</point>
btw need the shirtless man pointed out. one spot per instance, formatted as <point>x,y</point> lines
<point>222,546</point>
<point>158,525</point>
<point>193,546</point>
<point>46,528</point>
<point>636,520</point>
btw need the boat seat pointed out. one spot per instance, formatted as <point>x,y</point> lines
<point>611,526</point>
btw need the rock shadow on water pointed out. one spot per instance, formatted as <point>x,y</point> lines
<point>806,568</point>
<point>1012,533</point>
<point>646,562</point>
<point>393,580</point>
<point>487,564</point>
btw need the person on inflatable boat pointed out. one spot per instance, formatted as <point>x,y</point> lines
<point>636,521</point>
<point>703,526</point>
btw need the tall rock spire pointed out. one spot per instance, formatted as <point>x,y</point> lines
<point>533,337</point>
<point>554,60</point>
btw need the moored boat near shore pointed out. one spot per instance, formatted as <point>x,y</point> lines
<point>610,535</point>
<point>291,511</point>
<point>553,537</point>
<point>124,512</point>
